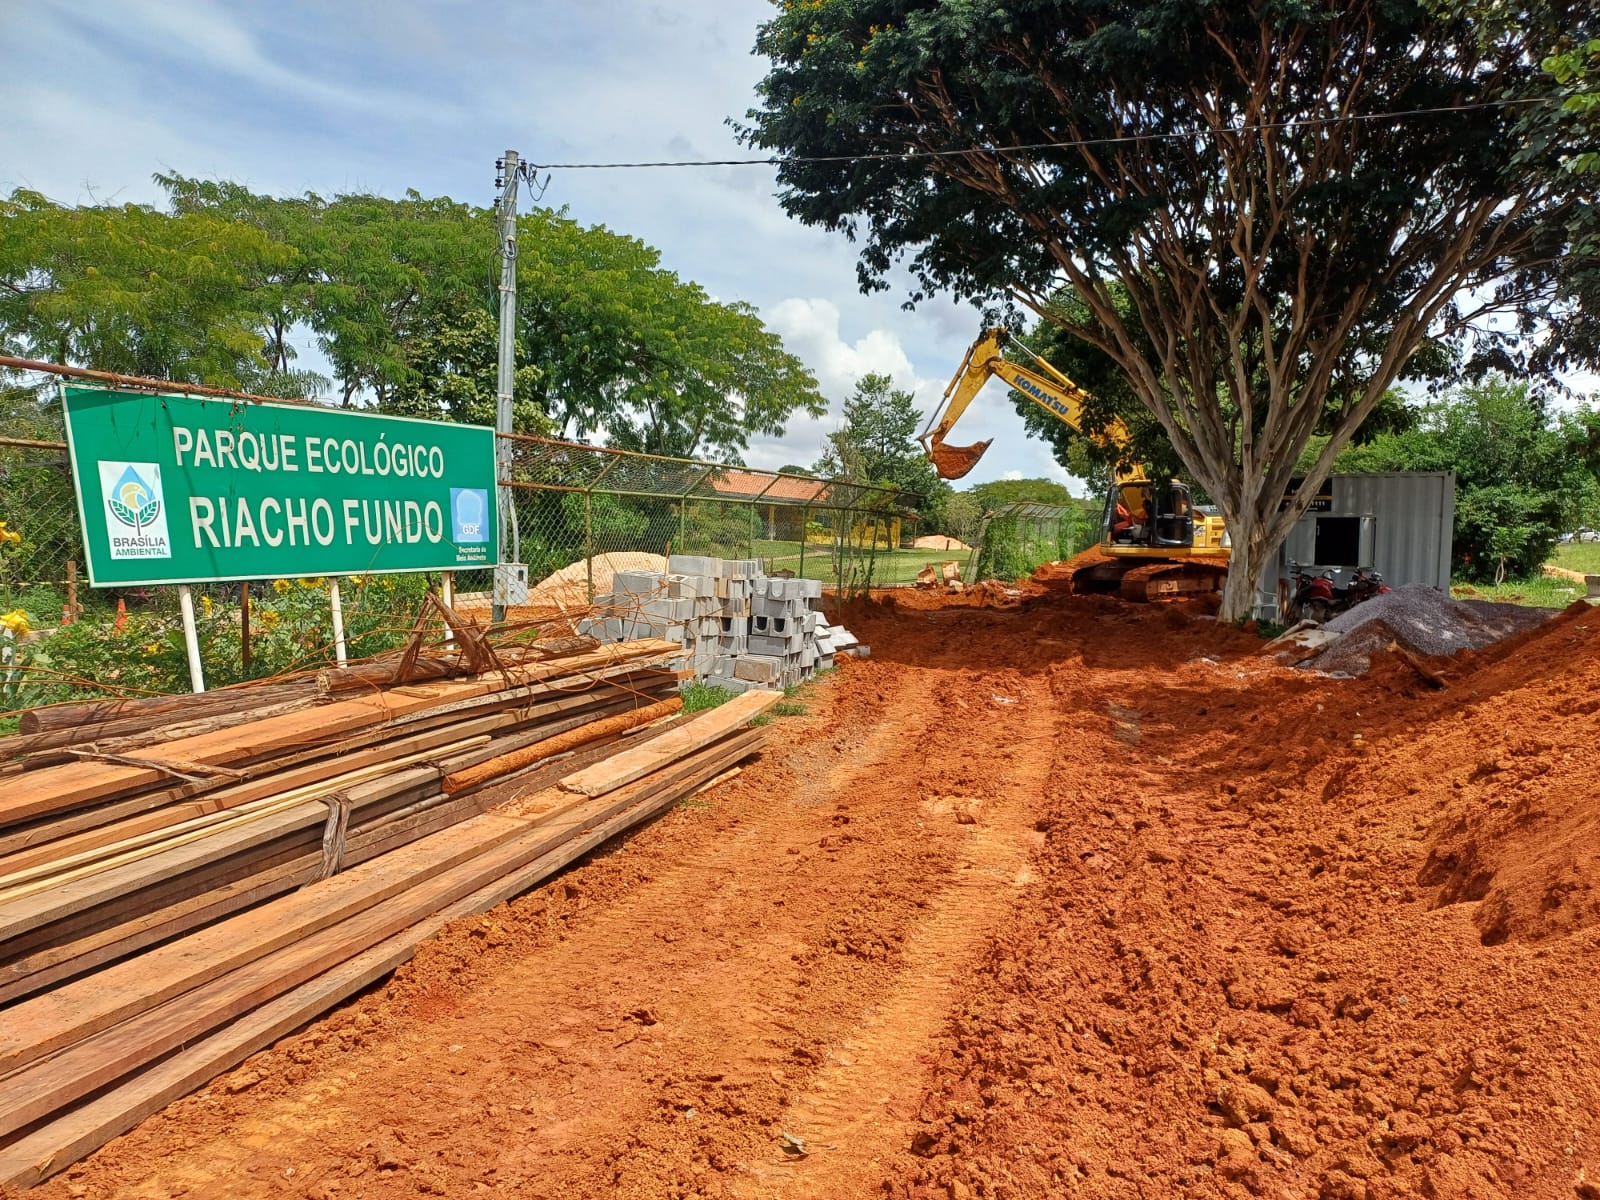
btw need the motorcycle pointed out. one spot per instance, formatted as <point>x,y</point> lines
<point>1317,597</point>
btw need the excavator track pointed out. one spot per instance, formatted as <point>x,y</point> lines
<point>1141,581</point>
<point>1165,581</point>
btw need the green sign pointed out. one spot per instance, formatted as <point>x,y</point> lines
<point>184,489</point>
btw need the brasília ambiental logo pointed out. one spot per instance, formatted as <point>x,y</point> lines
<point>134,501</point>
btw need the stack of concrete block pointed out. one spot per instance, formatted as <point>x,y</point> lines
<point>739,628</point>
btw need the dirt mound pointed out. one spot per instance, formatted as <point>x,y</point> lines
<point>939,541</point>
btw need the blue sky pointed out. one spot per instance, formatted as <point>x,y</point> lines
<point>363,95</point>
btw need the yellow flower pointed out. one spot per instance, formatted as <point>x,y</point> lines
<point>152,649</point>
<point>311,583</point>
<point>268,618</point>
<point>206,605</point>
<point>8,535</point>
<point>281,586</point>
<point>16,622</point>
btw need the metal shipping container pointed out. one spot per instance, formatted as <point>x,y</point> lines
<point>1399,522</point>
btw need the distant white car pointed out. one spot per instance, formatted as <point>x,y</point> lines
<point>1587,535</point>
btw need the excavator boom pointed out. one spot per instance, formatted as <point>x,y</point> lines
<point>1058,396</point>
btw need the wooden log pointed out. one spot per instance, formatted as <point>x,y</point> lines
<point>675,743</point>
<point>517,760</point>
<point>58,1144</point>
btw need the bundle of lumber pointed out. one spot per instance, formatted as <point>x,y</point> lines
<point>152,950</point>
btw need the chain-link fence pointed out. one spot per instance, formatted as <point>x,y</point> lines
<point>575,503</point>
<point>1015,540</point>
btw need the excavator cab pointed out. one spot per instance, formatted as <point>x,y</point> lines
<point>1140,513</point>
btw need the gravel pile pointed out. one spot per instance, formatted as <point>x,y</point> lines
<point>1424,621</point>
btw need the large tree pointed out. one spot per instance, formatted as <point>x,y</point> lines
<point>876,443</point>
<point>1293,197</point>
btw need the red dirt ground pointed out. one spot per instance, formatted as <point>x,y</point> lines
<point>1070,899</point>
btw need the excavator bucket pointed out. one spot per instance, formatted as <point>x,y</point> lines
<point>952,462</point>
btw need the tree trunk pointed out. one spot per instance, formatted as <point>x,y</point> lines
<point>1245,562</point>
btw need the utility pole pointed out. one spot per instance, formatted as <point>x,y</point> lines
<point>506,208</point>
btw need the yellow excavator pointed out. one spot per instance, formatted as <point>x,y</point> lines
<point>1153,542</point>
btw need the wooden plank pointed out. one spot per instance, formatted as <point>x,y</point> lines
<point>136,847</point>
<point>59,789</point>
<point>106,942</point>
<point>30,912</point>
<point>558,743</point>
<point>36,1091</point>
<point>80,1009</point>
<point>674,744</point>
<point>57,1145</point>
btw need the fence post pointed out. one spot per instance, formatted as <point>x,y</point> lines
<point>805,528</point>
<point>244,629</point>
<point>588,544</point>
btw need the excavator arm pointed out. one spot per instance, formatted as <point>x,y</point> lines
<point>1049,389</point>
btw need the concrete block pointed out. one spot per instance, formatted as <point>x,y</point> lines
<point>667,608</point>
<point>758,668</point>
<point>691,564</point>
<point>689,587</point>
<point>734,626</point>
<point>809,622</point>
<point>730,684</point>
<point>707,606</point>
<point>808,656</point>
<point>774,646</point>
<point>809,589</point>
<point>636,581</point>
<point>733,645</point>
<point>824,662</point>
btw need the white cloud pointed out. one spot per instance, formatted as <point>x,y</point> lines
<point>810,330</point>
<point>1012,475</point>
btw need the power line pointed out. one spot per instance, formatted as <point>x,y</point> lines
<point>1074,144</point>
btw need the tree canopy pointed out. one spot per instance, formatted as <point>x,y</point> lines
<point>1261,211</point>
<point>400,296</point>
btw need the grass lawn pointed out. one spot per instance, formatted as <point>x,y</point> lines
<point>1579,556</point>
<point>1537,593</point>
<point>892,566</point>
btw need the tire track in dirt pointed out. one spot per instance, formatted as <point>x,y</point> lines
<point>859,1107</point>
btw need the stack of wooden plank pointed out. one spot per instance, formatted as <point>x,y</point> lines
<point>171,906</point>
